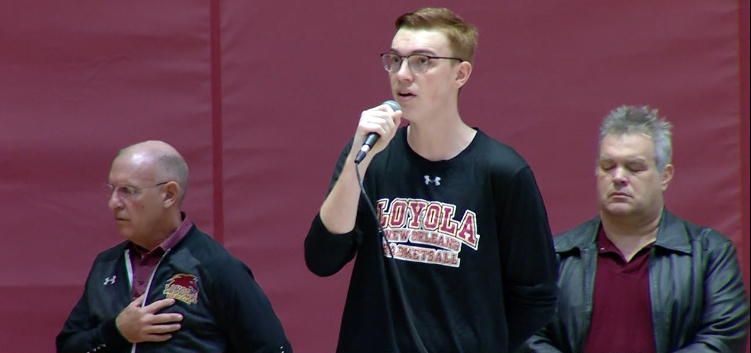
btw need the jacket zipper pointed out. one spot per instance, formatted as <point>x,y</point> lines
<point>129,268</point>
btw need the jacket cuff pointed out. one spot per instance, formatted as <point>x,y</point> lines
<point>113,339</point>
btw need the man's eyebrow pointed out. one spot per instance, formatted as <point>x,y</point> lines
<point>636,160</point>
<point>626,160</point>
<point>418,51</point>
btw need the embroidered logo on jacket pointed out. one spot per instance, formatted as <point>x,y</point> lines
<point>182,287</point>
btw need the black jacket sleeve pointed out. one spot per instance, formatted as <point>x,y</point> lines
<point>724,322</point>
<point>327,253</point>
<point>528,260</point>
<point>81,334</point>
<point>542,341</point>
<point>244,312</point>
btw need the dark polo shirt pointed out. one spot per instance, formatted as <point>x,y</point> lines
<point>144,262</point>
<point>621,308</point>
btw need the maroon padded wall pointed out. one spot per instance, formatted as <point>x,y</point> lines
<point>261,96</point>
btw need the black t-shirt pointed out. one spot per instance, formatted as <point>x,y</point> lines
<point>471,246</point>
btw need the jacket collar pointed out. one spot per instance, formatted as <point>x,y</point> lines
<point>671,235</point>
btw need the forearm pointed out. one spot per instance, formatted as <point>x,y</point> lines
<point>725,312</point>
<point>339,210</point>
<point>539,344</point>
<point>244,311</point>
<point>103,338</point>
<point>325,252</point>
<point>718,342</point>
<point>699,348</point>
<point>527,316</point>
<point>529,261</point>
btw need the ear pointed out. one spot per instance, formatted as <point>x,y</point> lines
<point>464,70</point>
<point>171,193</point>
<point>667,176</point>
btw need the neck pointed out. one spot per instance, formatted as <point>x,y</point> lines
<point>161,233</point>
<point>440,137</point>
<point>631,233</point>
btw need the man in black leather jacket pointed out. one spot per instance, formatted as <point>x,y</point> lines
<point>638,278</point>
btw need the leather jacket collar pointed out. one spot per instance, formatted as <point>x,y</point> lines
<point>671,235</point>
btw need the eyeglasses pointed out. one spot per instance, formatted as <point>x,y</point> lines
<point>418,63</point>
<point>127,191</point>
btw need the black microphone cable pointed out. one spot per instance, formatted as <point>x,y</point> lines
<point>394,271</point>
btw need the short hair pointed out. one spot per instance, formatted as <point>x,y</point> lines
<point>627,120</point>
<point>462,36</point>
<point>168,163</point>
<point>174,167</point>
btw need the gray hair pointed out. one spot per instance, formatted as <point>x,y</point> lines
<point>627,120</point>
<point>169,164</point>
<point>173,167</point>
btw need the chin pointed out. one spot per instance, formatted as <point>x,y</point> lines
<point>126,236</point>
<point>125,233</point>
<point>618,210</point>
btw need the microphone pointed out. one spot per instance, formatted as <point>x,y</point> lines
<point>372,137</point>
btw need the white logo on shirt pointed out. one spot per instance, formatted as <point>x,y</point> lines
<point>436,180</point>
<point>110,280</point>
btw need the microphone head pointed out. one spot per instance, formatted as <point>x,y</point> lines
<point>393,104</point>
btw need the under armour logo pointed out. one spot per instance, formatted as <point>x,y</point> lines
<point>110,280</point>
<point>436,180</point>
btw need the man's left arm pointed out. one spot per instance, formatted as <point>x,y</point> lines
<point>724,326</point>
<point>83,333</point>
<point>529,264</point>
<point>244,312</point>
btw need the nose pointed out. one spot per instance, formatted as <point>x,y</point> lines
<point>619,177</point>
<point>114,202</point>
<point>405,72</point>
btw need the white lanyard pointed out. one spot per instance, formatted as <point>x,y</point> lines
<point>129,268</point>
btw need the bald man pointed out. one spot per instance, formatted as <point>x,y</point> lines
<point>168,287</point>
